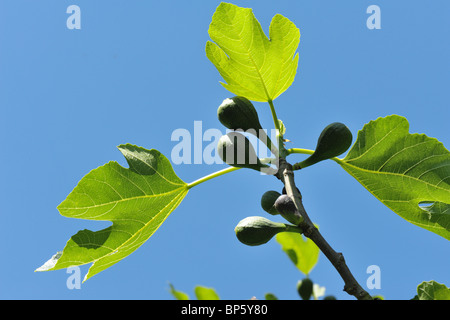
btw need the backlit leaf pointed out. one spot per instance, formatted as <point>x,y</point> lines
<point>409,173</point>
<point>204,293</point>
<point>179,295</point>
<point>302,251</point>
<point>136,200</point>
<point>252,65</point>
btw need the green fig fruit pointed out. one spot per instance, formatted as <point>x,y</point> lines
<point>236,150</point>
<point>305,288</point>
<point>239,113</point>
<point>254,231</point>
<point>268,200</point>
<point>334,140</point>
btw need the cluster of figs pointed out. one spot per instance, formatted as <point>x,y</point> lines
<point>234,148</point>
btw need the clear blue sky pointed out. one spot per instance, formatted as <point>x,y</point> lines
<point>137,70</point>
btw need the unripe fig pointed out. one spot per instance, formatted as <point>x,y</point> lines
<point>239,113</point>
<point>268,200</point>
<point>305,288</point>
<point>254,231</point>
<point>236,150</point>
<point>286,207</point>
<point>334,140</point>
<point>284,204</point>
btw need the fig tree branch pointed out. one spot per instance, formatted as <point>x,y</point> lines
<point>351,286</point>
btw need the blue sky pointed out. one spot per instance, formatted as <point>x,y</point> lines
<point>137,71</point>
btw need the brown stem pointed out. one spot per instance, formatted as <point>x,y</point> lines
<point>351,286</point>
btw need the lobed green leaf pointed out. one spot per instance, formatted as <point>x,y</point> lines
<point>409,173</point>
<point>252,65</point>
<point>136,200</point>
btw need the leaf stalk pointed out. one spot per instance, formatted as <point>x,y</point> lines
<point>211,176</point>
